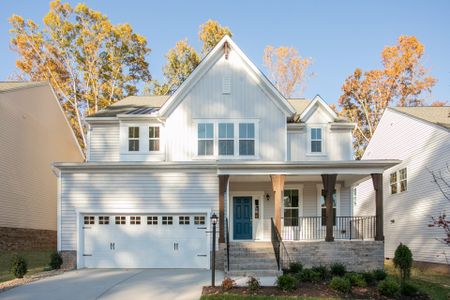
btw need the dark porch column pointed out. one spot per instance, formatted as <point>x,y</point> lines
<point>377,180</point>
<point>329,183</point>
<point>223,182</point>
<point>278,191</point>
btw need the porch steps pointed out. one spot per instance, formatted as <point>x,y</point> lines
<point>252,259</point>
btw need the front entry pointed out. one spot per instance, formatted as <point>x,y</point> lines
<point>242,218</point>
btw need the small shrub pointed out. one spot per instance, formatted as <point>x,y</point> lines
<point>308,275</point>
<point>403,262</point>
<point>341,284</point>
<point>253,284</point>
<point>18,266</point>
<point>322,270</point>
<point>356,279</point>
<point>287,282</point>
<point>388,287</point>
<point>338,269</point>
<point>369,278</point>
<point>409,289</point>
<point>379,275</point>
<point>227,284</point>
<point>55,261</point>
<point>294,268</point>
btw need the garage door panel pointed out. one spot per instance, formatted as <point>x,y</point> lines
<point>176,241</point>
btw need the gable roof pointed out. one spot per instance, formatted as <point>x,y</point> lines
<point>132,103</point>
<point>317,100</point>
<point>206,63</point>
<point>299,104</point>
<point>433,114</point>
<point>9,86</point>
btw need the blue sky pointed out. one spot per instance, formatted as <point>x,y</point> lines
<point>338,35</point>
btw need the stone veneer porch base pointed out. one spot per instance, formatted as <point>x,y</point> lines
<point>357,256</point>
<point>18,239</point>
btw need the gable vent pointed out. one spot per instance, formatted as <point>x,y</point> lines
<point>226,84</point>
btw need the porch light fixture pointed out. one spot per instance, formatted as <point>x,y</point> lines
<point>214,219</point>
<point>213,261</point>
<point>267,196</point>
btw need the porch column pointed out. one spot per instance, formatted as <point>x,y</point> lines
<point>329,183</point>
<point>223,182</point>
<point>278,191</point>
<point>377,180</point>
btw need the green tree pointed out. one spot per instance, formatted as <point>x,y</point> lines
<point>210,33</point>
<point>402,81</point>
<point>89,62</point>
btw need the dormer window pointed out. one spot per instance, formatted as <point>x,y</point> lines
<point>133,139</point>
<point>316,140</point>
<point>153,138</point>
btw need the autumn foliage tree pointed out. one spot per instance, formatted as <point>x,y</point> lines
<point>402,82</point>
<point>210,33</point>
<point>287,69</point>
<point>89,62</point>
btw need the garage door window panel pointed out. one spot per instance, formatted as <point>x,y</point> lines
<point>89,220</point>
<point>167,220</point>
<point>184,220</point>
<point>135,220</point>
<point>152,220</point>
<point>121,220</point>
<point>199,220</point>
<point>103,220</point>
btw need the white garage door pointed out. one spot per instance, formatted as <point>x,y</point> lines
<point>145,241</point>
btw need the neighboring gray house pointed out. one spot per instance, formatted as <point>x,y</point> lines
<point>33,134</point>
<point>420,137</point>
<point>226,142</point>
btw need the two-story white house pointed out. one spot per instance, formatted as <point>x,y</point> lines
<point>276,171</point>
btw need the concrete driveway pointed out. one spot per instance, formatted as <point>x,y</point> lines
<point>117,284</point>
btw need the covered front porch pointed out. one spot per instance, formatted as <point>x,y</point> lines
<point>304,201</point>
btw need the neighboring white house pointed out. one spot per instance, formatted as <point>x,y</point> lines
<point>420,137</point>
<point>33,134</point>
<point>226,142</point>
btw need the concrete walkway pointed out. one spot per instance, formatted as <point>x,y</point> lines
<point>128,284</point>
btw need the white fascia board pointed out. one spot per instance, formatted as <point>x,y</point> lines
<point>92,120</point>
<point>343,125</point>
<point>317,100</point>
<point>281,171</point>
<point>206,64</point>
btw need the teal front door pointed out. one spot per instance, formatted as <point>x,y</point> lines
<point>242,218</point>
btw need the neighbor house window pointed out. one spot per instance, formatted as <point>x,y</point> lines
<point>153,136</point>
<point>403,180</point>
<point>316,140</point>
<point>226,139</point>
<point>323,208</point>
<point>205,139</point>
<point>393,183</point>
<point>291,207</point>
<point>133,138</point>
<point>246,139</point>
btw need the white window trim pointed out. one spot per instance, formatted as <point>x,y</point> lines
<point>298,187</point>
<point>144,140</point>
<point>216,155</point>
<point>338,200</point>
<point>324,129</point>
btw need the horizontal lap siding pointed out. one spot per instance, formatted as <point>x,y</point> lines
<point>142,191</point>
<point>421,147</point>
<point>104,142</point>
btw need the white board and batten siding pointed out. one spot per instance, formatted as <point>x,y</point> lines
<point>423,147</point>
<point>133,192</point>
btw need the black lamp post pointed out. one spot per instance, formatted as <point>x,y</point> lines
<point>213,263</point>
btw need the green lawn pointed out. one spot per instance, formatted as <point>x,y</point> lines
<point>36,260</point>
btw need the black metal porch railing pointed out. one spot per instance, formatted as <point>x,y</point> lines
<point>227,241</point>
<point>281,254</point>
<point>313,228</point>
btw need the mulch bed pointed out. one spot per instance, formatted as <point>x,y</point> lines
<point>306,290</point>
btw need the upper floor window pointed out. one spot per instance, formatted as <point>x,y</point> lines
<point>133,138</point>
<point>398,181</point>
<point>226,139</point>
<point>154,138</point>
<point>316,140</point>
<point>246,139</point>
<point>205,139</point>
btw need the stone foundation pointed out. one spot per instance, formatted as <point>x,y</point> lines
<point>69,259</point>
<point>220,257</point>
<point>15,239</point>
<point>357,256</point>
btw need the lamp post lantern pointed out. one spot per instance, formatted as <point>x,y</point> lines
<point>213,262</point>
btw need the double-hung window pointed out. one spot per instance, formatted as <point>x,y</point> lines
<point>246,139</point>
<point>226,139</point>
<point>291,207</point>
<point>205,139</point>
<point>403,180</point>
<point>398,181</point>
<point>153,138</point>
<point>133,138</point>
<point>393,182</point>
<point>316,140</point>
